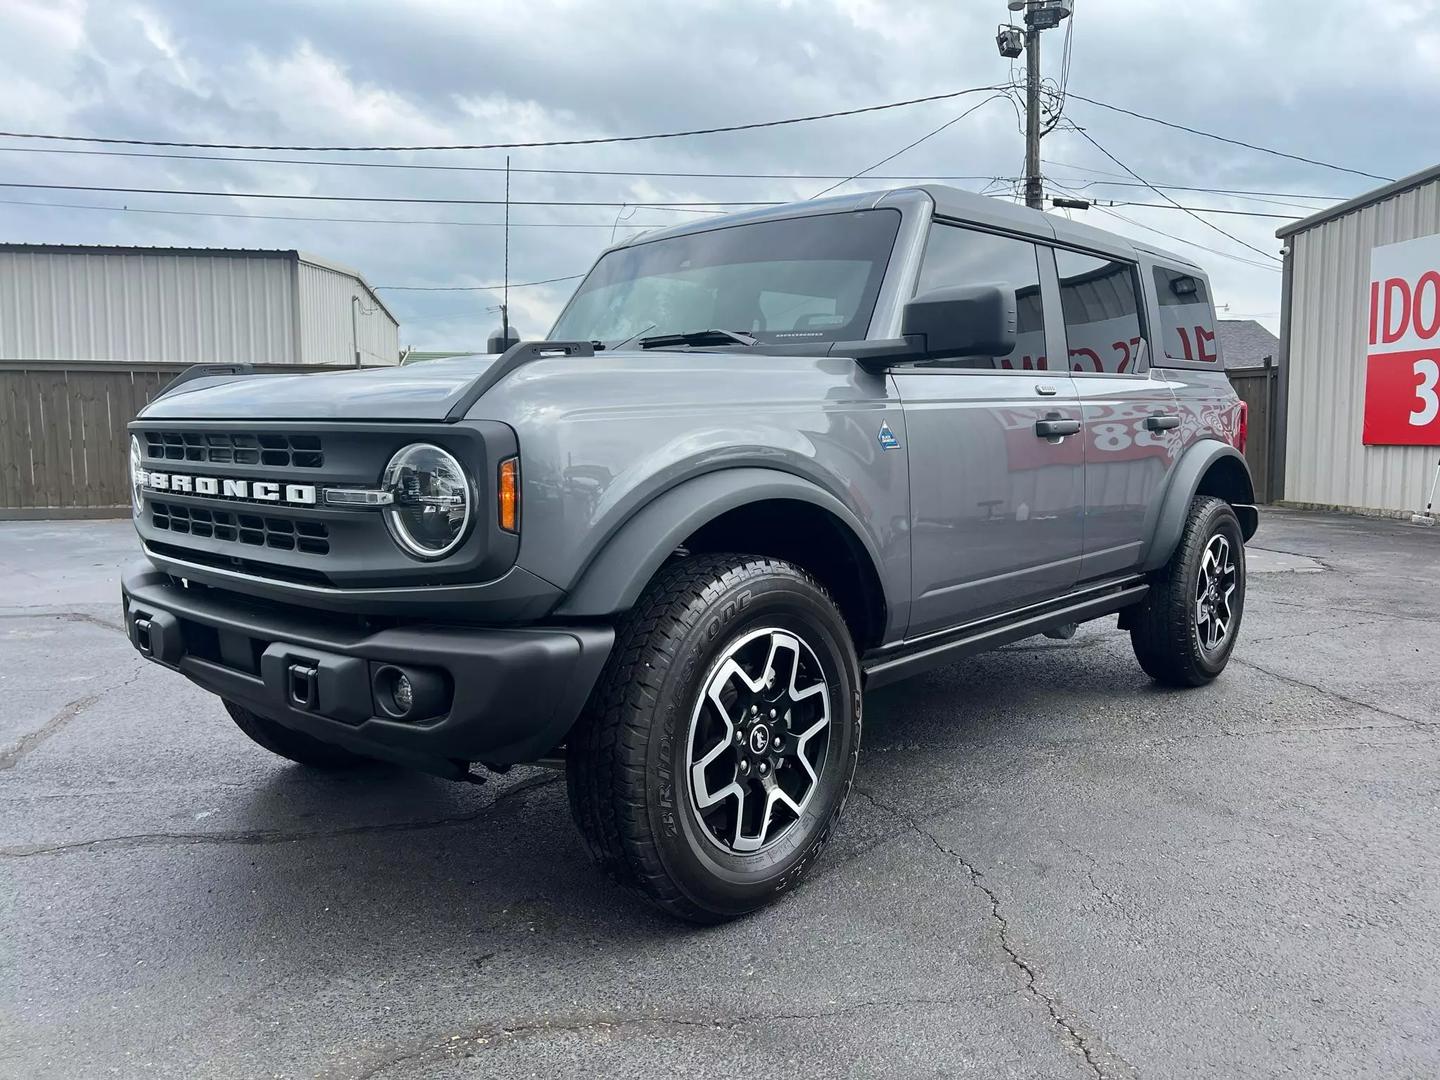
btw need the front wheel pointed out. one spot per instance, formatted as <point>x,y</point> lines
<point>1186,627</point>
<point>715,755</point>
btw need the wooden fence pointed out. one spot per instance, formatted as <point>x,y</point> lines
<point>64,451</point>
<point>1259,389</point>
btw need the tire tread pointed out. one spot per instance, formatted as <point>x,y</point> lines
<point>1161,631</point>
<point>606,768</point>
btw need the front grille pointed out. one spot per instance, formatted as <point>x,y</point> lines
<point>257,530</point>
<point>236,448</point>
<point>253,567</point>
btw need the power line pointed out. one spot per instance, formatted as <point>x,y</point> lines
<point>1215,191</point>
<point>343,220</point>
<point>476,288</point>
<point>678,207</point>
<point>1206,210</point>
<point>1207,223</point>
<point>1171,236</point>
<point>646,174</point>
<point>639,173</point>
<point>1232,142</point>
<point>593,141</point>
<point>909,146</point>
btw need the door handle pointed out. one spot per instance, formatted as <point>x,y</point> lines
<point>1161,422</point>
<point>1055,429</point>
<point>1044,389</point>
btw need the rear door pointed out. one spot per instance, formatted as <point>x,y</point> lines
<point>996,506</point>
<point>1132,420</point>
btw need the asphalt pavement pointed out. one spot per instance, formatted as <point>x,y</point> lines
<point>1050,868</point>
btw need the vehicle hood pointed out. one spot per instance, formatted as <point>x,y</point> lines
<point>424,391</point>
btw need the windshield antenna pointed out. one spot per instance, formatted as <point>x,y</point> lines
<point>505,298</point>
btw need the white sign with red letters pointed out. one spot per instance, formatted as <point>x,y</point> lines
<point>1402,363</point>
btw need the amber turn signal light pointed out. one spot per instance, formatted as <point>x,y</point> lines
<point>509,494</point>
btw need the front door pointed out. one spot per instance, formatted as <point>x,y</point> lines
<point>996,484</point>
<point>1132,420</point>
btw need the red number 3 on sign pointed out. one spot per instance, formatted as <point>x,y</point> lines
<point>1402,366</point>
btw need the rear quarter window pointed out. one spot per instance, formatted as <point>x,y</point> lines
<point>1187,318</point>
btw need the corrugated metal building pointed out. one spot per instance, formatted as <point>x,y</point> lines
<point>188,305</point>
<point>1333,453</point>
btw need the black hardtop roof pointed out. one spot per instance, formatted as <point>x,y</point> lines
<point>949,202</point>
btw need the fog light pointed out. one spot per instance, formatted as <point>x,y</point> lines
<point>403,693</point>
<point>411,694</point>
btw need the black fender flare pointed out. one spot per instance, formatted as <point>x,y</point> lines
<point>1185,482</point>
<point>626,561</point>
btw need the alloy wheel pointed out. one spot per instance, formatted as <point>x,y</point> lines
<point>758,740</point>
<point>1215,587</point>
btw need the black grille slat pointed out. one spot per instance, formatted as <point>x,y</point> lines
<point>236,448</point>
<point>256,530</point>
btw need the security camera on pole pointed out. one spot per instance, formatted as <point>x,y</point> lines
<point>1039,15</point>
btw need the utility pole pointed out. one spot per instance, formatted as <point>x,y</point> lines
<point>1011,40</point>
<point>1034,193</point>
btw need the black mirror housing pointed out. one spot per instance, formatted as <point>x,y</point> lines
<point>963,320</point>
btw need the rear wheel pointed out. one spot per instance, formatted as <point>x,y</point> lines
<point>716,753</point>
<point>1186,628</point>
<point>293,745</point>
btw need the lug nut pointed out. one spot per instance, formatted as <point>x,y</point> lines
<point>754,709</point>
<point>744,767</point>
<point>764,768</point>
<point>772,714</point>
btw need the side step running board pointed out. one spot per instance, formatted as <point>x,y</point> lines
<point>904,662</point>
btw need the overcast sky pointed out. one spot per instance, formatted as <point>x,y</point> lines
<point>1350,83</point>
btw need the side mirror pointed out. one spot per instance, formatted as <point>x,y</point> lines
<point>963,320</point>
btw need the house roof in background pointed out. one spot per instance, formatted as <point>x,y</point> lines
<point>1244,343</point>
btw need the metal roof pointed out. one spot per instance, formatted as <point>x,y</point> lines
<point>1360,202</point>
<point>289,254</point>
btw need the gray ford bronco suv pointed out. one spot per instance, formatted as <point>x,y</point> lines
<point>768,461</point>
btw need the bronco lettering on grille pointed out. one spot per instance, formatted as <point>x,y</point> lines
<point>270,491</point>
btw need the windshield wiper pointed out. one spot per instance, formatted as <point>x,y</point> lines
<point>621,344</point>
<point>700,337</point>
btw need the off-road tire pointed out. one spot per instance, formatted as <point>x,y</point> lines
<point>627,775</point>
<point>1164,631</point>
<point>297,747</point>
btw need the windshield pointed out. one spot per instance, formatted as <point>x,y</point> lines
<point>786,282</point>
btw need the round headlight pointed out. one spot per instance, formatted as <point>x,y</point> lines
<point>137,476</point>
<point>433,505</point>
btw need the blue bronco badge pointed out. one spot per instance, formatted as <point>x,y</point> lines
<point>887,437</point>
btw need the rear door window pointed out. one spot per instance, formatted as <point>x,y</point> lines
<point>1101,303</point>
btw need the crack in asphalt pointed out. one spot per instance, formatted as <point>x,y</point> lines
<point>1091,864</point>
<point>1077,1039</point>
<point>1267,733</point>
<point>273,836</point>
<point>466,1043</point>
<point>1308,633</point>
<point>32,741</point>
<point>66,616</point>
<point>1419,725</point>
<point>1358,611</point>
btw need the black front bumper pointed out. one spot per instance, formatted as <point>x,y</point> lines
<point>502,695</point>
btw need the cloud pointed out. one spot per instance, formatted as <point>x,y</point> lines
<point>1343,83</point>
